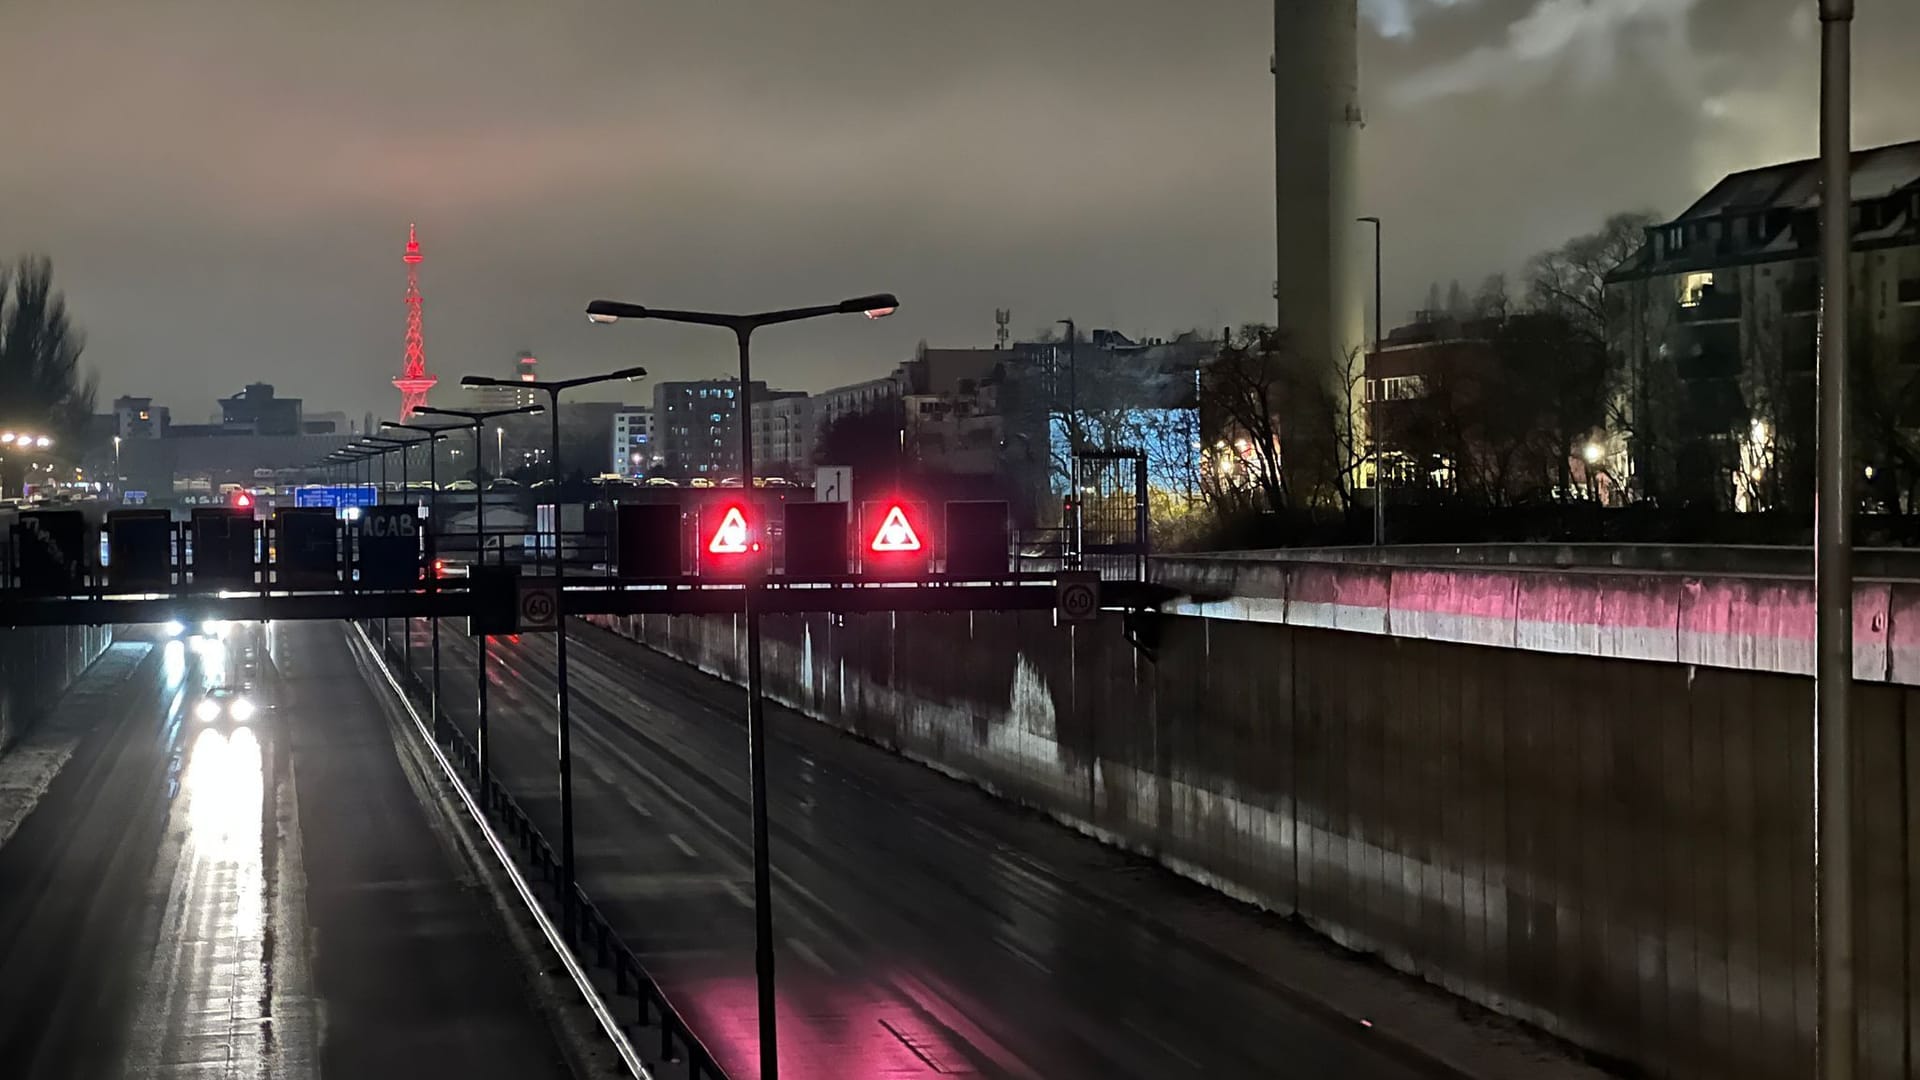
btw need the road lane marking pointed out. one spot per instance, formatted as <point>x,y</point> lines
<point>805,952</point>
<point>685,848</point>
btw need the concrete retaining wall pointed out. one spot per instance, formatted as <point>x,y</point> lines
<point>36,666</point>
<point>1745,622</point>
<point>1615,850</point>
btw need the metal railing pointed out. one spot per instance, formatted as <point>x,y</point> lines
<point>610,953</point>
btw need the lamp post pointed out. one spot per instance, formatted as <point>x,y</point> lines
<point>433,435</point>
<point>477,421</point>
<point>1072,525</point>
<point>563,747</point>
<point>1373,405</point>
<point>383,447</point>
<point>743,326</point>
<point>1835,1023</point>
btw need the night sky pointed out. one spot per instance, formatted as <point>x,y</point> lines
<point>225,187</point>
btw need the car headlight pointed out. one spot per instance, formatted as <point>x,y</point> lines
<point>207,711</point>
<point>241,710</point>
<point>174,628</point>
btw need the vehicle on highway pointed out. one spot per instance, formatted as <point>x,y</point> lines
<point>225,705</point>
<point>700,482</point>
<point>662,481</point>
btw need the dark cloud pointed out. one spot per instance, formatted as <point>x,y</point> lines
<point>226,186</point>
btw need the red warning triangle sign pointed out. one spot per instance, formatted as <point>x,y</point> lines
<point>731,537</point>
<point>896,533</point>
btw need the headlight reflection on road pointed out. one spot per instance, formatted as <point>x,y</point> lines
<point>213,660</point>
<point>173,663</point>
<point>223,788</point>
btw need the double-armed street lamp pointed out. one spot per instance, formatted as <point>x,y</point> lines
<point>477,420</point>
<point>430,436</point>
<point>876,306</point>
<point>563,749</point>
<point>382,446</point>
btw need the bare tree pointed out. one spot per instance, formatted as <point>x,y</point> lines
<point>40,363</point>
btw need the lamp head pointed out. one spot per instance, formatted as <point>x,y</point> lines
<point>877,306</point>
<point>612,311</point>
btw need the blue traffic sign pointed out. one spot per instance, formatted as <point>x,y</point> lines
<point>335,495</point>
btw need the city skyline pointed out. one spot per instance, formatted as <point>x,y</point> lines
<point>222,209</point>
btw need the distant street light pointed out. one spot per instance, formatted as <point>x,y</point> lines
<point>877,306</point>
<point>1594,452</point>
<point>553,390</point>
<point>433,434</point>
<point>477,420</point>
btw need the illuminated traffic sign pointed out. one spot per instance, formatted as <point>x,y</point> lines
<point>893,542</point>
<point>895,533</point>
<point>729,539</point>
<point>732,537</point>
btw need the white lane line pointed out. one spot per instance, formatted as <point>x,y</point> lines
<point>685,848</point>
<point>805,952</point>
<point>739,895</point>
<point>1161,1043</point>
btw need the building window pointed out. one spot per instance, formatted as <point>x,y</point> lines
<point>1397,388</point>
<point>1693,287</point>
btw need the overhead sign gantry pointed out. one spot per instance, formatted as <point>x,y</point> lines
<point>305,563</point>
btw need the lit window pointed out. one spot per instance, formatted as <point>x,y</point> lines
<point>1693,287</point>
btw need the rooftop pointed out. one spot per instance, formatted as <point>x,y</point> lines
<point>1795,185</point>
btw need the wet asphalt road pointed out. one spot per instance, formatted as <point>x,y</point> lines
<point>266,898</point>
<point>925,929</point>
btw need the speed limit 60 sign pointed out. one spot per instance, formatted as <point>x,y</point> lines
<point>539,607</point>
<point>1077,595</point>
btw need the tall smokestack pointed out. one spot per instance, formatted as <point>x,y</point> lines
<point>1316,113</point>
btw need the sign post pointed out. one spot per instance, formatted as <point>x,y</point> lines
<point>1077,595</point>
<point>539,606</point>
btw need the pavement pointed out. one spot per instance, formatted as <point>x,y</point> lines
<point>924,927</point>
<point>259,897</point>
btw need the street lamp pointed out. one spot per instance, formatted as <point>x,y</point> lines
<point>1373,406</point>
<point>876,306</point>
<point>553,389</point>
<point>1835,1027</point>
<point>1073,434</point>
<point>477,421</point>
<point>433,435</point>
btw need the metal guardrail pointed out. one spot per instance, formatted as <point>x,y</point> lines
<point>677,1041</point>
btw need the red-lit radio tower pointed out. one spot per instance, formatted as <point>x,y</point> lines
<point>415,381</point>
